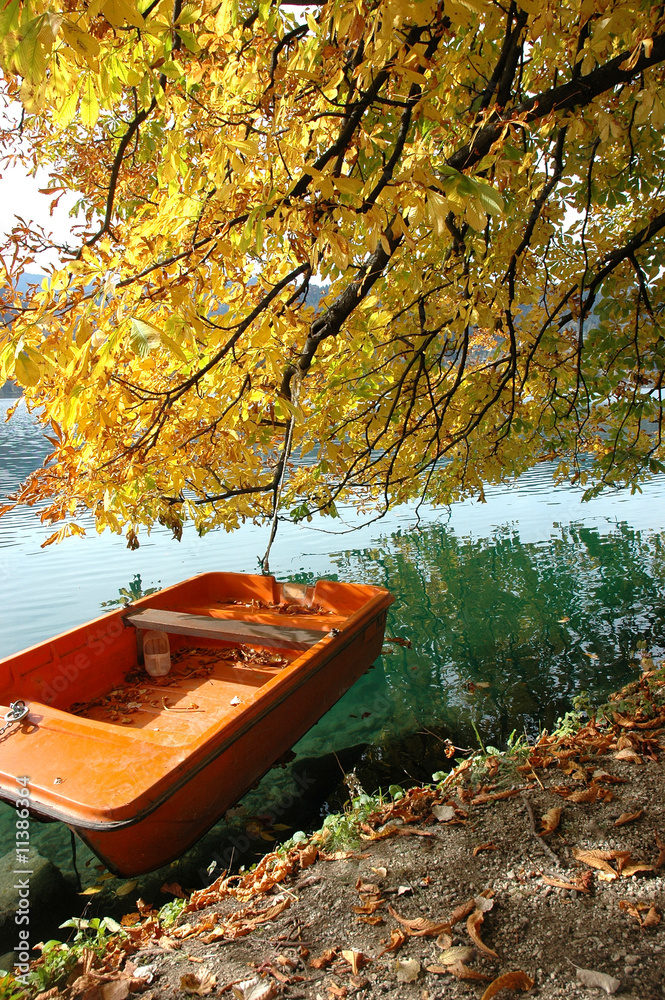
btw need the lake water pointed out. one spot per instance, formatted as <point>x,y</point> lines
<point>512,607</point>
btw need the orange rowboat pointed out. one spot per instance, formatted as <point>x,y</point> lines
<point>141,766</point>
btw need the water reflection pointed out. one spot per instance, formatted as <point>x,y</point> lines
<point>536,622</point>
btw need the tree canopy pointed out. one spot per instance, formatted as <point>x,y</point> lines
<point>477,185</point>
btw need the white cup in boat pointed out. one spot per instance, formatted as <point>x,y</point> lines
<point>156,653</point>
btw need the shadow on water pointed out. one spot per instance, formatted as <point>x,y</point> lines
<point>503,633</point>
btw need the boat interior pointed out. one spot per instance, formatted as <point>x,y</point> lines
<point>95,672</point>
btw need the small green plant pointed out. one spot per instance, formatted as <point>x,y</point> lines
<point>59,958</point>
<point>170,912</point>
<point>341,831</point>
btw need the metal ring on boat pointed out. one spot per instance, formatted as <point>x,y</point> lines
<point>17,711</point>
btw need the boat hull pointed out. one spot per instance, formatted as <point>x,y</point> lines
<point>141,784</point>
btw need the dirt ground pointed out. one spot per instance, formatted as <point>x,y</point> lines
<point>550,866</point>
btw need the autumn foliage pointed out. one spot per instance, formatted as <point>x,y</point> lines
<point>478,187</point>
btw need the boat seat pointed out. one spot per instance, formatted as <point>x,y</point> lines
<point>229,630</point>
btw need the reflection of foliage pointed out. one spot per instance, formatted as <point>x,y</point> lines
<point>537,622</point>
<point>130,593</point>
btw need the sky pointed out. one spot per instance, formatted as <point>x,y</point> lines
<point>19,196</point>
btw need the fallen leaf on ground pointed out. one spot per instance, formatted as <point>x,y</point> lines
<point>356,960</point>
<point>460,953</point>
<point>629,755</point>
<point>420,926</point>
<point>117,990</point>
<point>254,989</point>
<point>634,867</point>
<point>443,813</point>
<point>550,821</point>
<point>323,960</point>
<point>337,991</point>
<point>628,817</point>
<point>581,884</point>
<point>473,927</point>
<point>484,903</point>
<point>462,911</point>
<point>600,980</point>
<point>198,985</point>
<point>652,918</point>
<point>397,939</point>
<point>601,859</point>
<point>509,981</point>
<point>308,855</point>
<point>462,971</point>
<point>484,847</point>
<point>485,797</point>
<point>408,970</point>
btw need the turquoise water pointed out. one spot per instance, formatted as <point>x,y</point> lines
<point>482,593</point>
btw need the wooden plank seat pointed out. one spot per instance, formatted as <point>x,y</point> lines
<point>229,630</point>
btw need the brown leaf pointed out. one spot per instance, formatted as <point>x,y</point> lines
<point>485,797</point>
<point>376,918</point>
<point>444,940</point>
<point>484,847</point>
<point>462,911</point>
<point>397,939</point>
<point>254,989</point>
<point>628,817</point>
<point>550,821</point>
<point>628,755</point>
<point>462,971</point>
<point>509,981</point>
<point>661,850</point>
<point>118,989</point>
<point>356,960</point>
<point>420,926</point>
<point>324,960</point>
<point>600,859</point>
<point>367,888</point>
<point>473,927</point>
<point>461,953</point>
<point>634,867</point>
<point>578,885</point>
<point>308,855</point>
<point>408,970</point>
<point>370,907</point>
<point>652,918</point>
<point>198,985</point>
<point>337,991</point>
